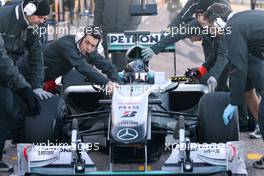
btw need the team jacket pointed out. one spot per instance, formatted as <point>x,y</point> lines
<point>16,39</point>
<point>215,51</point>
<point>61,55</point>
<point>246,38</point>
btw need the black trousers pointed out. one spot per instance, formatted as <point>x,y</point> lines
<point>12,108</point>
<point>256,80</point>
<point>222,86</point>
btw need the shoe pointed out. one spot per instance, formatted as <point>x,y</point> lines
<point>4,167</point>
<point>256,134</point>
<point>259,164</point>
<point>91,15</point>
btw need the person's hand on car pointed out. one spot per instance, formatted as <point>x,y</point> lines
<point>147,53</point>
<point>229,113</point>
<point>192,73</point>
<point>31,101</point>
<point>196,73</point>
<point>211,83</point>
<point>42,94</point>
<point>110,87</point>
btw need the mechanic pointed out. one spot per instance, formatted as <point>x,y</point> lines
<point>246,55</point>
<point>215,60</point>
<point>79,52</point>
<point>18,93</point>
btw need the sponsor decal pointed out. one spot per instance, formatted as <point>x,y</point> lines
<point>129,114</point>
<point>128,123</point>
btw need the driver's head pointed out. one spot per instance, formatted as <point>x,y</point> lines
<point>134,53</point>
<point>90,40</point>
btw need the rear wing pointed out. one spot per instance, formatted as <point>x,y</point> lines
<point>121,42</point>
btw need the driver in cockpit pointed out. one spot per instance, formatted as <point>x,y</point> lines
<point>136,70</point>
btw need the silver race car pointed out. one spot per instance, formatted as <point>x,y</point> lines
<point>147,116</point>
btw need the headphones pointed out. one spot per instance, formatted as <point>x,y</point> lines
<point>78,37</point>
<point>218,22</point>
<point>31,7</point>
<point>90,30</point>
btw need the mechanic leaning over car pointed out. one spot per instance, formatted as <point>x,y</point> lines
<point>79,52</point>
<point>18,94</point>
<point>215,59</point>
<point>246,56</point>
<point>214,71</point>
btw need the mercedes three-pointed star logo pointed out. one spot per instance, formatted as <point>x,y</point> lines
<point>127,134</point>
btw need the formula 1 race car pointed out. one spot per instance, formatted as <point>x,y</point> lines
<point>145,117</point>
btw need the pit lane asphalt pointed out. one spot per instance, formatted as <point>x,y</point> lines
<point>188,55</point>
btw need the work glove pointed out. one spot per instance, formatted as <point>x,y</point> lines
<point>31,101</point>
<point>42,94</point>
<point>229,113</point>
<point>192,73</point>
<point>196,72</point>
<point>147,54</point>
<point>211,83</point>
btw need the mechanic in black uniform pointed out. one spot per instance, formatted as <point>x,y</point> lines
<point>18,94</point>
<point>79,52</point>
<point>246,54</point>
<point>215,59</point>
